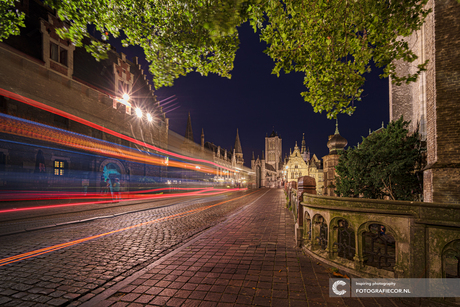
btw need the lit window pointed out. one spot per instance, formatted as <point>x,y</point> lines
<point>59,167</point>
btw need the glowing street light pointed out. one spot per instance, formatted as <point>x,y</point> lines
<point>149,117</point>
<point>125,97</point>
<point>139,112</point>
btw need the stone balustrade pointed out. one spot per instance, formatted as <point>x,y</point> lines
<point>379,238</point>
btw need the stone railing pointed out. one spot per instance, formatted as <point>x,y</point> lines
<point>380,238</point>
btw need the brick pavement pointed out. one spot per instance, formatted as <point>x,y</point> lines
<point>250,259</point>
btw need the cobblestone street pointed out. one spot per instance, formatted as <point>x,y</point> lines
<point>77,273</point>
<point>250,259</point>
<point>220,251</point>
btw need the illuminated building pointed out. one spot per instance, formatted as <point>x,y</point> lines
<point>111,124</point>
<point>432,102</point>
<point>300,164</point>
<point>335,144</point>
<point>269,172</point>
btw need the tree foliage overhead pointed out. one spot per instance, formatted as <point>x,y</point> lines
<point>331,41</point>
<point>386,164</point>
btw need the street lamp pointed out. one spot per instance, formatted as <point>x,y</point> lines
<point>149,117</point>
<point>139,112</point>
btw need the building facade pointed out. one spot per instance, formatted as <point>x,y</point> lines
<point>299,164</point>
<point>336,143</point>
<point>433,102</point>
<point>101,117</point>
<point>269,169</point>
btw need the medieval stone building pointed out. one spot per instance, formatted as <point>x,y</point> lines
<point>51,89</point>
<point>269,171</point>
<point>336,143</point>
<point>300,164</point>
<point>433,102</point>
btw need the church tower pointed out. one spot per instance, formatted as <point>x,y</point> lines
<point>304,151</point>
<point>238,150</point>
<point>335,144</point>
<point>273,150</point>
<point>189,132</point>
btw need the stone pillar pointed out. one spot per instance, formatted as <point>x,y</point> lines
<point>306,184</point>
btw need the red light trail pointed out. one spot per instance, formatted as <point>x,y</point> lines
<point>201,191</point>
<point>47,108</point>
<point>52,248</point>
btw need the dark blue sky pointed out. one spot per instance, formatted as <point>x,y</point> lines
<point>255,101</point>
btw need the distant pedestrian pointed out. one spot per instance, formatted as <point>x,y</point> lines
<point>103,185</point>
<point>109,187</point>
<point>116,188</point>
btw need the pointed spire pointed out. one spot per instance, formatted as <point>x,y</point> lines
<point>238,148</point>
<point>253,156</point>
<point>303,144</point>
<point>336,126</point>
<point>263,155</point>
<point>202,138</point>
<point>189,132</point>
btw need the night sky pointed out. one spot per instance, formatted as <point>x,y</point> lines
<point>255,102</point>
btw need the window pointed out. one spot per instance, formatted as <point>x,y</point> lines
<point>58,54</point>
<point>60,167</point>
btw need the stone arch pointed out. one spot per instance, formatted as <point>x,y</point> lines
<point>342,235</point>
<point>113,168</point>
<point>451,260</point>
<point>377,245</point>
<point>319,232</point>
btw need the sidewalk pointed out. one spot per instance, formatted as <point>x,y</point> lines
<point>250,259</point>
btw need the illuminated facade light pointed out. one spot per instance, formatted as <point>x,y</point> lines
<point>138,112</point>
<point>149,117</point>
<point>125,97</point>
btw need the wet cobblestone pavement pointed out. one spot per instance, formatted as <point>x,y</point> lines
<point>250,260</point>
<point>73,275</point>
<point>232,251</point>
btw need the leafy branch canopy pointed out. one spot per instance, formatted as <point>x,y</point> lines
<point>331,41</point>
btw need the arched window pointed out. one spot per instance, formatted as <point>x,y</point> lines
<point>379,247</point>
<point>346,247</point>
<point>320,231</point>
<point>451,260</point>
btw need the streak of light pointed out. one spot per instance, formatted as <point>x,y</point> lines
<point>56,247</point>
<point>163,105</point>
<point>173,109</point>
<point>29,129</point>
<point>125,197</point>
<point>47,108</point>
<point>166,98</point>
<point>169,107</point>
